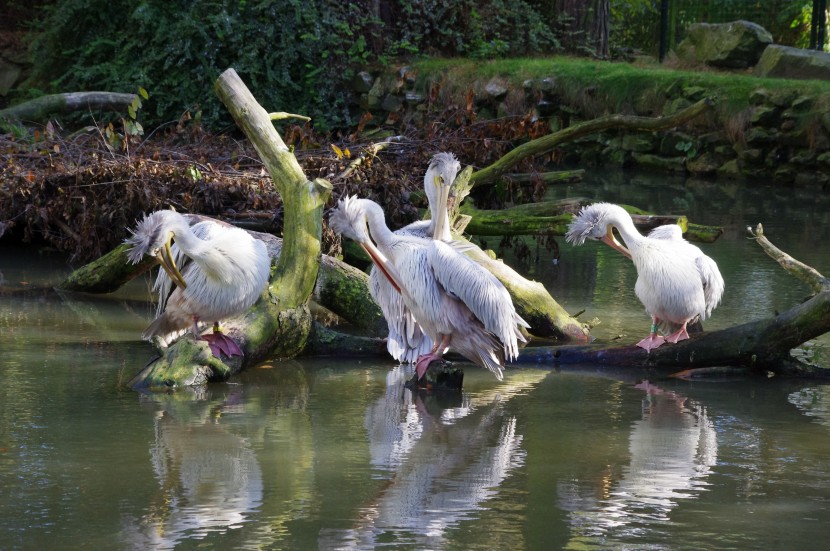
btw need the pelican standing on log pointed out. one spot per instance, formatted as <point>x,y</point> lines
<point>213,271</point>
<point>676,282</point>
<point>457,303</point>
<point>406,340</point>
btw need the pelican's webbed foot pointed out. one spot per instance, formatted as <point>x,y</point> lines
<point>221,343</point>
<point>651,342</point>
<point>679,335</point>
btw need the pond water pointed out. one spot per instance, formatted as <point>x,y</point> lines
<point>334,454</point>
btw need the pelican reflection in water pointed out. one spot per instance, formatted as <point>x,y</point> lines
<point>676,282</point>
<point>456,301</point>
<point>672,450</point>
<point>213,271</point>
<point>440,465</point>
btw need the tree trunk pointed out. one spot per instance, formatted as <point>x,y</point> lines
<point>763,344</point>
<point>280,322</point>
<point>45,106</point>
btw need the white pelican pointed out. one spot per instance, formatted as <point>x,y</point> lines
<point>457,302</point>
<point>223,272</point>
<point>676,282</point>
<point>406,340</point>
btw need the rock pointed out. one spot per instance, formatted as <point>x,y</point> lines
<point>545,108</point>
<point>362,82</point>
<point>735,45</point>
<point>413,98</point>
<point>786,62</point>
<point>496,89</point>
<point>765,116</point>
<point>391,103</point>
<point>704,164</point>
<point>670,164</point>
<point>638,142</point>
<point>730,169</point>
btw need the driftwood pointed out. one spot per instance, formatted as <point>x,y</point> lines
<point>45,106</point>
<point>758,345</point>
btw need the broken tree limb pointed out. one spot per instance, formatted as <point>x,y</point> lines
<point>533,303</point>
<point>805,273</point>
<point>545,144</point>
<point>44,107</point>
<point>280,322</point>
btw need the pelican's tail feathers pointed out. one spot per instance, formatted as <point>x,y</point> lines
<point>494,362</point>
<point>164,327</point>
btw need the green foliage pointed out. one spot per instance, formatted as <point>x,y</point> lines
<point>295,55</point>
<point>290,52</point>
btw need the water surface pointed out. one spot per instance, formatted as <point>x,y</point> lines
<point>334,454</point>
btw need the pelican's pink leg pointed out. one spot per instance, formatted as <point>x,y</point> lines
<point>195,328</point>
<point>679,335</point>
<point>437,352</point>
<point>653,340</point>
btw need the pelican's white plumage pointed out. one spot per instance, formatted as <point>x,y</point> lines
<point>213,271</point>
<point>406,340</point>
<point>676,282</point>
<point>457,303</point>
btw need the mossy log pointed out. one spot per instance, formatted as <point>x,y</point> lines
<point>553,217</point>
<point>45,106</point>
<point>534,303</point>
<point>339,288</point>
<point>758,345</point>
<point>763,344</point>
<point>280,322</point>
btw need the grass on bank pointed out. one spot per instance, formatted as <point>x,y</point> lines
<point>622,83</point>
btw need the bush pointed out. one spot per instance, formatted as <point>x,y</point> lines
<point>294,55</point>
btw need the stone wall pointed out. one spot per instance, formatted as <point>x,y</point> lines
<point>783,136</point>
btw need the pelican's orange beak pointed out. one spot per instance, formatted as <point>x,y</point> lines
<point>441,231</point>
<point>610,240</point>
<point>165,258</point>
<point>383,264</point>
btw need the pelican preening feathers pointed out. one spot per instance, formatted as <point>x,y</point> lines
<point>676,282</point>
<point>406,340</point>
<point>213,271</point>
<point>456,302</point>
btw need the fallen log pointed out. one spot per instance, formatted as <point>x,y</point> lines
<point>553,217</point>
<point>545,144</point>
<point>758,345</point>
<point>45,106</point>
<point>763,344</point>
